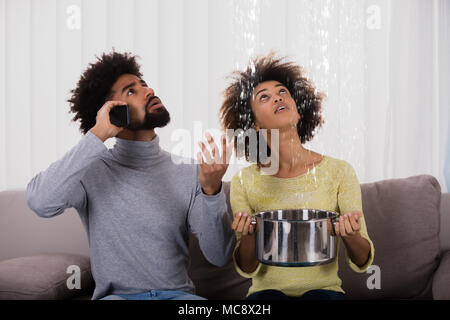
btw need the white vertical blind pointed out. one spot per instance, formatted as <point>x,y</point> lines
<point>3,184</point>
<point>18,88</point>
<point>171,49</point>
<point>69,61</point>
<point>383,65</point>
<point>444,93</point>
<point>43,97</point>
<point>195,77</point>
<point>377,82</point>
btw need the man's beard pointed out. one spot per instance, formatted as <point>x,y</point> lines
<point>156,119</point>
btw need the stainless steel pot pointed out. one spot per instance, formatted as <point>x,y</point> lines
<point>295,238</point>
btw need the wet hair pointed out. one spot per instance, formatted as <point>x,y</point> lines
<point>94,87</point>
<point>236,112</point>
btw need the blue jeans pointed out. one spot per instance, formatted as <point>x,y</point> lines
<point>155,295</point>
<point>319,294</point>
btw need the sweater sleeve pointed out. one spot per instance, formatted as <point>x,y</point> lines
<point>210,222</point>
<point>239,203</point>
<point>59,187</point>
<point>349,199</point>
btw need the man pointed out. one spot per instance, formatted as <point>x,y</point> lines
<point>136,204</point>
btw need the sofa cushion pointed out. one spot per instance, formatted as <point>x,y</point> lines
<point>212,282</point>
<point>402,217</point>
<point>441,279</point>
<point>445,222</point>
<point>44,277</point>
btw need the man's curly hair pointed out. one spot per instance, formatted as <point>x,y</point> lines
<point>236,112</point>
<point>94,87</point>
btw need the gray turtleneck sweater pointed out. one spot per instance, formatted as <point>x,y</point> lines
<point>137,207</point>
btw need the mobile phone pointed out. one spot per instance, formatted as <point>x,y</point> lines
<point>120,116</point>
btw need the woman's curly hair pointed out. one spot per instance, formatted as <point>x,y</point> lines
<point>94,87</point>
<point>236,112</point>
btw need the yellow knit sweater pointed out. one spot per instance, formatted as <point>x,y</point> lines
<point>331,185</point>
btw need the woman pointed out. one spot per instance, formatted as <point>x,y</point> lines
<point>274,95</point>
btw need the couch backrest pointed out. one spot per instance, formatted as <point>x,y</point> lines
<point>402,217</point>
<point>23,233</point>
<point>444,233</point>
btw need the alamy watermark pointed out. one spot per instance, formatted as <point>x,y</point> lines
<point>73,21</point>
<point>73,281</point>
<point>373,21</point>
<point>374,281</point>
<point>255,142</point>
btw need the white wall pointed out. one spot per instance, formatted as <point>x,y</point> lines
<point>383,65</point>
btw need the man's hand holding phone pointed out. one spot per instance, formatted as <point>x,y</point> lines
<point>103,128</point>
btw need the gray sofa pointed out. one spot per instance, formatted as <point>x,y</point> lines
<point>407,219</point>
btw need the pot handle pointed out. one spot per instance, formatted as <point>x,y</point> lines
<point>333,225</point>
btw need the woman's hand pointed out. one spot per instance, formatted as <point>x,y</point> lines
<point>349,225</point>
<point>348,228</point>
<point>243,223</point>
<point>246,254</point>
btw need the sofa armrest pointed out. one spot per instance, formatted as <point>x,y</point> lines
<point>441,279</point>
<point>45,277</point>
